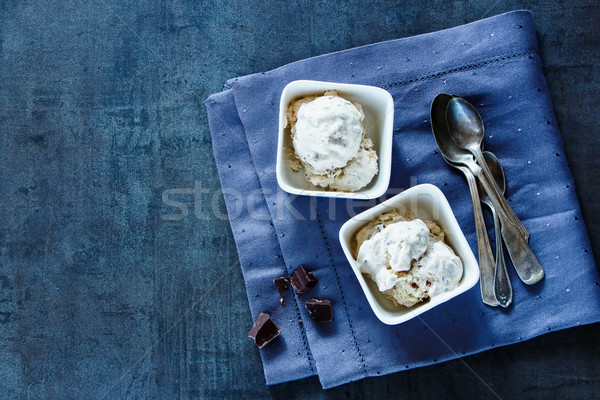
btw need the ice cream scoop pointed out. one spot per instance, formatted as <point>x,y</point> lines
<point>408,262</point>
<point>328,133</point>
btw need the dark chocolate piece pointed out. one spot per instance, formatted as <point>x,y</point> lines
<point>282,284</point>
<point>303,280</point>
<point>264,330</point>
<point>319,310</point>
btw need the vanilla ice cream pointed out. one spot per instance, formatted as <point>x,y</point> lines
<point>408,259</point>
<point>330,143</point>
<point>328,133</point>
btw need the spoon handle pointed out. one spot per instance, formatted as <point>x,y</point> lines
<point>502,286</point>
<point>486,257</point>
<point>526,264</point>
<point>508,211</point>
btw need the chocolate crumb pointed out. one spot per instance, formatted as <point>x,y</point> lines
<point>414,285</point>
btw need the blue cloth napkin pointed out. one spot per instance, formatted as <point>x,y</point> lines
<point>494,64</point>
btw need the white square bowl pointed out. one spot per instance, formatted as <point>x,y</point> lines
<point>426,202</point>
<point>378,107</point>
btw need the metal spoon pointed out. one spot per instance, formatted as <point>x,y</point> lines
<point>465,124</point>
<point>486,257</point>
<point>502,286</point>
<point>466,128</point>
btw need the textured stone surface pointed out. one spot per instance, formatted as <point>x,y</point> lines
<point>105,292</point>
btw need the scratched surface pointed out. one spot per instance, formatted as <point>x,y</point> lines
<point>106,291</point>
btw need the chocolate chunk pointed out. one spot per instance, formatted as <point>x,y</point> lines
<point>282,284</point>
<point>264,330</point>
<point>303,280</point>
<point>319,310</point>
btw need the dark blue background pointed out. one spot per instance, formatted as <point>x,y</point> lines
<point>103,296</point>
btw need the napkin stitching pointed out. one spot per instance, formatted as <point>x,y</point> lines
<point>464,67</point>
<point>337,278</point>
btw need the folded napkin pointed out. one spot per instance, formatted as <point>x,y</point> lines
<point>494,64</point>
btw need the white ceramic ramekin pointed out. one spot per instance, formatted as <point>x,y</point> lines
<point>426,202</point>
<point>378,106</point>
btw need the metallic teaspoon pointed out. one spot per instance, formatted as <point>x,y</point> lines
<point>486,257</point>
<point>502,286</point>
<point>465,125</point>
<point>466,128</point>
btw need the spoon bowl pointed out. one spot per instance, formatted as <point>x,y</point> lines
<point>465,124</point>
<point>450,150</point>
